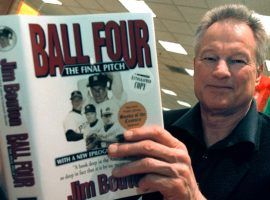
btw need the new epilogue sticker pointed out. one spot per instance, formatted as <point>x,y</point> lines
<point>132,115</point>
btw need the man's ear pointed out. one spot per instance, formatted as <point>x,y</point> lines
<point>259,73</point>
<point>194,62</point>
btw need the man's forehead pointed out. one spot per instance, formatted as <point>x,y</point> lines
<point>233,49</point>
<point>218,36</point>
<point>229,30</point>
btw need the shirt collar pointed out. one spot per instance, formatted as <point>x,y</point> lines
<point>246,132</point>
<point>190,122</point>
<point>92,124</point>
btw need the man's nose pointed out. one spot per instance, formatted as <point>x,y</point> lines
<point>222,69</point>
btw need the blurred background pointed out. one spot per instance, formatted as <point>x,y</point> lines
<point>175,25</point>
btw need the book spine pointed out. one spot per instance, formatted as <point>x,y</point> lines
<point>16,143</point>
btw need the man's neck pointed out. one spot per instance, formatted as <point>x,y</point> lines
<point>217,126</point>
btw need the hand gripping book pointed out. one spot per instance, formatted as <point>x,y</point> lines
<point>69,87</point>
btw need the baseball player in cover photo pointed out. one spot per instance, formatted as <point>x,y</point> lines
<point>111,131</point>
<point>101,88</point>
<point>92,127</point>
<point>74,120</point>
<point>6,36</point>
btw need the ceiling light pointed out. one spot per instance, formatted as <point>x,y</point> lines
<point>173,47</point>
<point>170,92</point>
<point>183,103</point>
<point>165,109</point>
<point>25,9</point>
<point>53,2</point>
<point>189,71</point>
<point>134,6</point>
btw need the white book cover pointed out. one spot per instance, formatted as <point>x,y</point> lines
<point>69,87</point>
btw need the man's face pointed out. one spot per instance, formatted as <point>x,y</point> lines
<point>99,93</point>
<point>91,117</point>
<point>4,42</point>
<point>107,118</point>
<point>225,68</point>
<point>77,103</point>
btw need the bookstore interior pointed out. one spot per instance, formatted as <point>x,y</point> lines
<point>175,22</point>
<point>77,75</point>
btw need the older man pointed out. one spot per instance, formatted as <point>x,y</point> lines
<point>220,148</point>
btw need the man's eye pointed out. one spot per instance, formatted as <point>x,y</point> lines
<point>209,59</point>
<point>237,61</point>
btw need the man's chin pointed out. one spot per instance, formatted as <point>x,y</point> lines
<point>218,107</point>
<point>100,100</point>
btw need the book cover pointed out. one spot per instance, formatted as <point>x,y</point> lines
<point>69,87</point>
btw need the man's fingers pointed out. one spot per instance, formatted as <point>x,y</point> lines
<point>155,133</point>
<point>148,148</point>
<point>153,166</point>
<point>170,188</point>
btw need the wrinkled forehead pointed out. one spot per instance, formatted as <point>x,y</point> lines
<point>232,33</point>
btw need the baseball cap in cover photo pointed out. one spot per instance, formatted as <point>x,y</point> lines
<point>89,108</point>
<point>76,93</point>
<point>98,80</point>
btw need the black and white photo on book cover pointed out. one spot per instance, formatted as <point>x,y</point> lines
<point>69,87</point>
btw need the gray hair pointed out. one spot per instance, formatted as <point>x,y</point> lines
<point>239,13</point>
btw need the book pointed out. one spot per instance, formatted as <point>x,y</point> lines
<point>69,87</point>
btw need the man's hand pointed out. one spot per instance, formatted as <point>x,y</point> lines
<point>164,161</point>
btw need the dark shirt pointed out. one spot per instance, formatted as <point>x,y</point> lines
<point>222,169</point>
<point>2,195</point>
<point>237,167</point>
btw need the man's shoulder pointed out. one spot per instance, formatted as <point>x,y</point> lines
<point>70,115</point>
<point>264,117</point>
<point>265,125</point>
